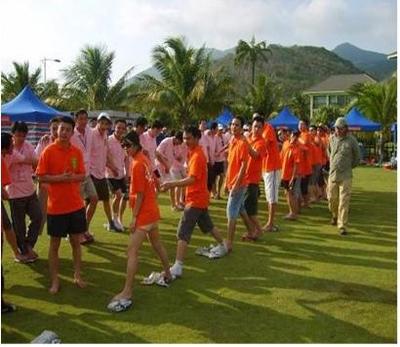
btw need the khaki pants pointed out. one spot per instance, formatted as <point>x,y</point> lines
<point>339,194</point>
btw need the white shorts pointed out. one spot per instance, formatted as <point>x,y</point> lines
<point>272,182</point>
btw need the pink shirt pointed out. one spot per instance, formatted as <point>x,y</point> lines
<point>211,146</point>
<point>42,144</point>
<point>203,142</point>
<point>98,154</point>
<point>220,143</point>
<point>166,149</point>
<point>21,174</point>
<point>149,144</point>
<point>118,155</point>
<point>180,156</point>
<point>83,142</point>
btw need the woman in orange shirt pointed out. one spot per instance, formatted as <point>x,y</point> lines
<point>145,217</point>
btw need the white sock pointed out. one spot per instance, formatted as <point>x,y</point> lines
<point>178,263</point>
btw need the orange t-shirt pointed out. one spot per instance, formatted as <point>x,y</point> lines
<point>238,153</point>
<point>324,146</point>
<point>142,181</point>
<point>305,168</point>
<point>290,156</point>
<point>254,167</point>
<point>197,194</point>
<point>55,160</point>
<point>272,160</point>
<point>317,150</point>
<point>5,174</point>
<point>308,152</point>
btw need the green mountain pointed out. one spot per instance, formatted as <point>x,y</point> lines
<point>375,64</point>
<point>294,68</point>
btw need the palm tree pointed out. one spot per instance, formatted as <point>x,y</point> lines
<point>187,88</point>
<point>88,80</point>
<point>14,82</point>
<point>300,104</point>
<point>379,103</point>
<point>327,114</point>
<point>250,52</point>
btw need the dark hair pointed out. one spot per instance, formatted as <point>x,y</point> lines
<point>296,133</point>
<point>81,111</point>
<point>68,120</point>
<point>305,121</point>
<point>55,120</point>
<point>141,121</point>
<point>194,131</point>
<point>258,119</point>
<point>240,119</point>
<point>156,124</point>
<point>131,139</point>
<point>6,141</point>
<point>120,121</point>
<point>213,126</point>
<point>19,126</point>
<point>179,135</point>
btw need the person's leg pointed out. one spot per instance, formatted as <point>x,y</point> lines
<point>291,203</point>
<point>122,208</point>
<point>42,197</point>
<point>74,240</point>
<point>344,203</point>
<point>234,206</point>
<point>54,264</point>
<point>333,199</point>
<point>154,238</point>
<point>172,198</point>
<point>116,204</point>
<point>107,209</point>
<point>135,241</point>
<point>35,214</point>
<point>272,193</point>
<point>18,208</point>
<point>91,208</point>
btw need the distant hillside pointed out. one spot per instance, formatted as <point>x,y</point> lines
<point>376,64</point>
<point>295,68</point>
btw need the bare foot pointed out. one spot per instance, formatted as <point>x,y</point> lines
<point>79,282</point>
<point>55,288</point>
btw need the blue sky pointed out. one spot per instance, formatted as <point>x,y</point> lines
<point>33,29</point>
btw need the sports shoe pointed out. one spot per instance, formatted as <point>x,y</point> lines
<point>112,227</point>
<point>119,305</point>
<point>343,231</point>
<point>218,251</point>
<point>176,270</point>
<point>118,224</point>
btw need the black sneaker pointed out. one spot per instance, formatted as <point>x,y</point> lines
<point>113,227</point>
<point>343,231</point>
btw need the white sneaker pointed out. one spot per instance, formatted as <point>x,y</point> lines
<point>176,270</point>
<point>118,224</point>
<point>218,251</point>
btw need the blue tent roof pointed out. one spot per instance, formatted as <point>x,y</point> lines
<point>357,121</point>
<point>27,107</point>
<point>285,119</point>
<point>225,117</point>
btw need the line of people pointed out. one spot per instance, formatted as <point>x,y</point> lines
<point>77,166</point>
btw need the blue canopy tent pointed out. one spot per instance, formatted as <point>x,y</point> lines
<point>393,130</point>
<point>225,117</point>
<point>358,122</point>
<point>285,119</point>
<point>27,107</point>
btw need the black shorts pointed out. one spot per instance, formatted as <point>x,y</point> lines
<point>5,220</point>
<point>218,168</point>
<point>118,184</point>
<point>210,176</point>
<point>285,184</point>
<point>192,216</point>
<point>101,186</point>
<point>251,199</point>
<point>60,225</point>
<point>304,184</point>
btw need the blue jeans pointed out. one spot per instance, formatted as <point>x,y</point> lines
<point>235,203</point>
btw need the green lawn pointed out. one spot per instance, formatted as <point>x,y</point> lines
<point>304,284</point>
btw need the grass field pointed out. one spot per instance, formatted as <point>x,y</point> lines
<point>303,284</point>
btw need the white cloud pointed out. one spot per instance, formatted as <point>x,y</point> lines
<point>33,29</point>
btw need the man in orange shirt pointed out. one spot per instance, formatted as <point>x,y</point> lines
<point>257,152</point>
<point>145,217</point>
<point>238,158</point>
<point>307,158</point>
<point>196,202</point>
<point>61,166</point>
<point>290,162</point>
<point>271,175</point>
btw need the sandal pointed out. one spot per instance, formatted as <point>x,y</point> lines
<point>119,305</point>
<point>272,229</point>
<point>248,237</point>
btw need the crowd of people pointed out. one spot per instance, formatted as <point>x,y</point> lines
<point>76,165</point>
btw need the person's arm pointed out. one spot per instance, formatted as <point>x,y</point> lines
<point>187,181</point>
<point>66,177</point>
<point>240,175</point>
<point>356,154</point>
<point>136,208</point>
<point>162,160</point>
<point>110,162</point>
<point>4,194</point>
